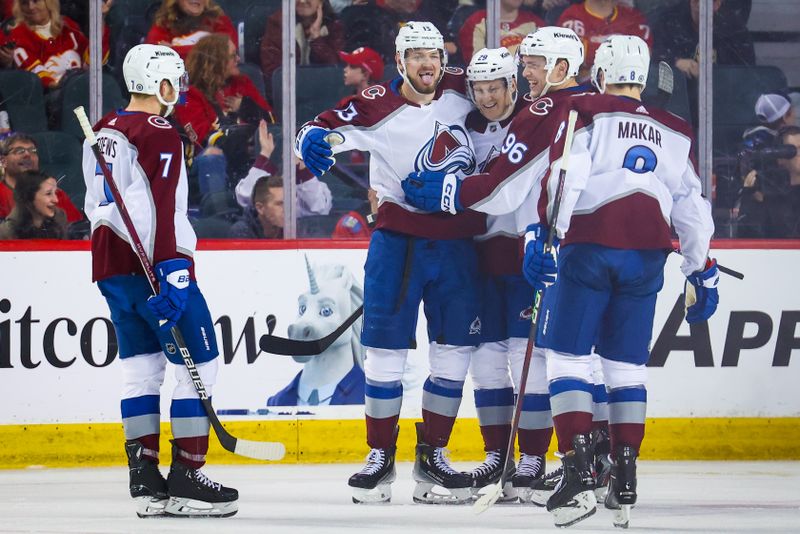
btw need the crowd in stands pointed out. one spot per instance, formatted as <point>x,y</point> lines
<point>232,108</point>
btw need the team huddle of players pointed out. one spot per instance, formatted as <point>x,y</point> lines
<point>476,221</point>
<point>467,172</point>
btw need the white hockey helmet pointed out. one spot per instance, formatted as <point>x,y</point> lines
<point>623,59</point>
<point>418,34</point>
<point>147,65</point>
<point>554,43</point>
<point>493,64</point>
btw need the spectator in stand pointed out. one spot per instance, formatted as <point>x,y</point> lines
<point>313,196</point>
<point>363,67</point>
<point>319,37</point>
<point>515,24</point>
<point>6,9</point>
<point>774,111</point>
<point>376,24</point>
<point>594,20</point>
<point>219,98</point>
<point>677,34</point>
<point>45,42</point>
<point>36,214</point>
<point>770,201</point>
<point>265,219</point>
<point>18,155</point>
<point>181,24</point>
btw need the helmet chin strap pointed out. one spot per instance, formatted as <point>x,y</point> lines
<point>170,106</point>
<point>548,84</point>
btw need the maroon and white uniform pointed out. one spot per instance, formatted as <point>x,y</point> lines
<point>510,184</point>
<point>403,137</point>
<point>631,173</point>
<point>146,158</point>
<point>498,248</point>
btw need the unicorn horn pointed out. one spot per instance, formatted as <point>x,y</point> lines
<point>312,281</point>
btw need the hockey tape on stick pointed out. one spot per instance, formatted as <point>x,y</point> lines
<point>494,492</point>
<point>260,450</point>
<point>296,347</point>
<point>666,85</point>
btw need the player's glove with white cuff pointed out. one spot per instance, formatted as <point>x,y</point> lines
<point>173,281</point>
<point>316,151</point>
<point>433,191</point>
<point>700,293</point>
<point>539,267</point>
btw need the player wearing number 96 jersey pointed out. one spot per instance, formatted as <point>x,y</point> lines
<point>630,174</point>
<point>508,189</point>
<point>145,157</point>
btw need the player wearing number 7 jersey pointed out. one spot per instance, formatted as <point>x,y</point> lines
<point>631,174</point>
<point>145,157</point>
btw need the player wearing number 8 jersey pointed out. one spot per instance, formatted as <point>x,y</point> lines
<point>631,173</point>
<point>145,156</point>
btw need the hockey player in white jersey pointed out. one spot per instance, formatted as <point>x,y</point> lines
<point>412,123</point>
<point>145,156</point>
<point>631,173</point>
<point>492,86</point>
<point>509,189</point>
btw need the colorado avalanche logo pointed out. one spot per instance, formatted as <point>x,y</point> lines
<point>448,150</point>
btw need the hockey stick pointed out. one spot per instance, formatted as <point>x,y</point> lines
<point>666,85</point>
<point>260,450</point>
<point>296,347</point>
<point>490,497</point>
<point>722,268</point>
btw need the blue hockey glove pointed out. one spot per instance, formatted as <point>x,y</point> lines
<point>173,281</point>
<point>700,293</point>
<point>316,151</point>
<point>540,268</point>
<point>433,191</point>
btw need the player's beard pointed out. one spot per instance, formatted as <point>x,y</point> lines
<point>425,89</point>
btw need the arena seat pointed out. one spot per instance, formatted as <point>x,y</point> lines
<point>255,20</point>
<point>60,155</point>
<point>22,96</point>
<point>319,87</point>
<point>76,93</point>
<point>736,89</point>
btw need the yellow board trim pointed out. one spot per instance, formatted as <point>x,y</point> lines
<point>340,441</point>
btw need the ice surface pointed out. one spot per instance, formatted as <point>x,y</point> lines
<point>673,497</point>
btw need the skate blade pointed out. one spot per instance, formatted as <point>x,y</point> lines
<point>582,505</point>
<point>184,507</point>
<point>622,517</point>
<point>429,493</point>
<point>382,493</point>
<point>147,507</point>
<point>527,496</point>
<point>539,497</point>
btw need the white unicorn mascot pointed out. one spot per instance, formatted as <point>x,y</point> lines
<point>335,376</point>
